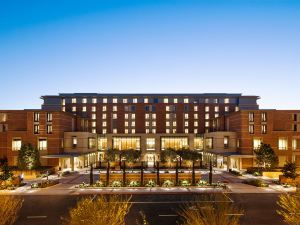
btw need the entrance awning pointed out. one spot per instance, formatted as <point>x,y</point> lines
<point>66,155</point>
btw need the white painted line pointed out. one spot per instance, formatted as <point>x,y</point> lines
<point>171,215</point>
<point>235,214</point>
<point>36,217</point>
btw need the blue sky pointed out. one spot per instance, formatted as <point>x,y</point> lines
<point>236,46</point>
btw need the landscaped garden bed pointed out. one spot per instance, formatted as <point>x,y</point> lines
<point>44,184</point>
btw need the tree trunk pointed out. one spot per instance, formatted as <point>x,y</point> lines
<point>142,174</point>
<point>157,174</point>
<point>193,174</point>
<point>176,178</point>
<point>107,174</point>
<point>91,175</point>
<point>124,173</point>
<point>210,173</point>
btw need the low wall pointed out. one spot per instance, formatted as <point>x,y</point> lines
<point>273,175</point>
<point>32,174</point>
<point>285,180</point>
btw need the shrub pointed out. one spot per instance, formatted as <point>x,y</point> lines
<point>234,172</point>
<point>134,183</point>
<point>289,170</point>
<point>201,183</point>
<point>151,183</point>
<point>256,182</point>
<point>185,183</point>
<point>168,183</point>
<point>10,207</point>
<point>116,183</point>
<point>44,184</point>
<point>289,208</point>
<point>255,171</point>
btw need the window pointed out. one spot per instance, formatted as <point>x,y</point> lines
<point>195,108</point>
<point>294,144</point>
<point>49,129</point>
<point>73,108</point>
<point>174,131</point>
<point>42,144</point>
<point>206,100</point>
<point>196,124</point>
<point>83,108</point>
<point>36,117</point>
<point>174,123</point>
<point>74,100</point>
<point>147,116</point>
<point>104,124</point>
<point>237,108</point>
<point>186,131</point>
<point>226,100</point>
<point>114,116</point>
<point>126,116</point>
<point>198,143</point>
<point>150,143</point>
<point>74,141</point>
<point>63,101</point>
<point>94,100</point>
<point>263,129</point>
<point>264,117</point>
<point>168,116</point>
<point>91,142</point>
<point>216,100</point>
<point>84,100</point>
<point>226,108</point>
<point>133,123</point>
<point>186,116</point>
<point>104,116</point>
<point>167,131</point>
<point>115,108</point>
<point>104,100</point>
<point>216,108</point>
<point>295,128</point>
<point>134,100</point>
<point>63,108</point>
<point>147,131</point>
<point>126,131</point>
<point>251,117</point>
<point>195,116</point>
<point>146,100</point>
<point>133,116</point>
<point>206,116</point>
<point>195,131</point>
<point>93,116</point>
<point>94,131</point>
<point>153,116</point>
<point>167,108</point>
<point>153,123</point>
<point>256,143</point>
<point>209,143</point>
<point>174,143</point>
<point>93,124</point>
<point>166,100</point>
<point>185,100</point>
<point>104,108</point>
<point>49,117</point>
<point>104,131</point>
<point>126,124</point>
<point>186,123</point>
<point>16,144</point>
<point>125,143</point>
<point>251,129</point>
<point>147,124</point>
<point>206,108</point>
<point>153,131</point>
<point>226,142</point>
<point>295,117</point>
<point>115,100</point>
<point>36,129</point>
<point>282,144</point>
<point>115,131</point>
<point>125,100</point>
<point>207,124</point>
<point>175,100</point>
<point>167,123</point>
<point>93,108</point>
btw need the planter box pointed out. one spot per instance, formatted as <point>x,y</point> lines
<point>273,175</point>
<point>285,180</point>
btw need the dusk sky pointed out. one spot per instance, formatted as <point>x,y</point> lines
<point>163,46</point>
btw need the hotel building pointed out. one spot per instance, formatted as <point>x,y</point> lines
<point>84,125</point>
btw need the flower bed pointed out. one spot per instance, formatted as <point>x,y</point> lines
<point>44,184</point>
<point>256,183</point>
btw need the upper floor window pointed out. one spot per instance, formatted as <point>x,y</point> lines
<point>83,108</point>
<point>74,100</point>
<point>49,129</point>
<point>36,129</point>
<point>263,129</point>
<point>63,101</point>
<point>185,100</point>
<point>125,100</point>
<point>91,142</point>
<point>195,108</point>
<point>264,117</point>
<point>256,143</point>
<point>36,117</point>
<point>295,117</point>
<point>295,143</point>
<point>74,141</point>
<point>209,143</point>
<point>216,108</point>
<point>216,100</point>
<point>282,144</point>
<point>251,129</point>
<point>104,100</point>
<point>251,117</point>
<point>226,108</point>
<point>115,108</point>
<point>73,108</point>
<point>16,144</point>
<point>206,100</point>
<point>206,108</point>
<point>175,100</point>
<point>226,142</point>
<point>49,117</point>
<point>186,116</point>
<point>134,100</point>
<point>166,100</point>
<point>226,100</point>
<point>3,117</point>
<point>84,100</point>
<point>42,144</point>
<point>94,100</point>
<point>93,108</point>
<point>115,100</point>
<point>104,108</point>
<point>146,100</point>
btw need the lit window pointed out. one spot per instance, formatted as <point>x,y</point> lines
<point>16,144</point>
<point>175,100</point>
<point>226,142</point>
<point>237,109</point>
<point>263,129</point>
<point>126,123</point>
<point>36,117</point>
<point>207,124</point>
<point>93,124</point>
<point>174,124</point>
<point>150,143</point>
<point>147,116</point>
<point>126,131</point>
<point>104,131</point>
<point>186,100</point>
<point>167,108</point>
<point>186,131</point>
<point>195,108</point>
<point>63,109</point>
<point>115,100</point>
<point>195,131</point>
<point>216,108</point>
<point>216,100</point>
<point>174,131</point>
<point>94,131</point>
<point>104,100</point>
<point>153,116</point>
<point>206,100</point>
<point>216,115</point>
<point>84,100</point>
<point>115,108</point>
<point>91,142</point>
<point>282,144</point>
<point>133,123</point>
<point>264,117</point>
<point>49,117</point>
<point>63,101</point>
<point>74,141</point>
<point>134,100</point>
<point>133,131</point>
<point>195,116</point>
<point>83,108</point>
<point>209,143</point>
<point>73,108</point>
<point>93,116</point>
<point>294,144</point>
<point>186,123</point>
<point>125,100</point>
<point>36,129</point>
<point>104,124</point>
<point>256,143</point>
<point>251,117</point>
<point>49,129</point>
<point>206,116</point>
<point>168,123</point>
<point>226,108</point>
<point>153,123</point>
<point>146,100</point>
<point>133,116</point>
<point>167,131</point>
<point>206,108</point>
<point>74,100</point>
<point>104,116</point>
<point>104,108</point>
<point>226,100</point>
<point>126,116</point>
<point>186,116</point>
<point>114,116</point>
<point>115,131</point>
<point>196,124</point>
<point>167,116</point>
<point>166,100</point>
<point>251,129</point>
<point>153,131</point>
<point>93,108</point>
<point>94,100</point>
<point>147,124</point>
<point>42,144</point>
<point>147,131</point>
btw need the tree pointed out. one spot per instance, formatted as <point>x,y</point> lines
<point>131,155</point>
<point>112,154</point>
<point>168,155</point>
<point>100,211</point>
<point>10,207</point>
<point>289,170</point>
<point>5,172</point>
<point>265,156</point>
<point>202,212</point>
<point>29,157</point>
<point>290,208</point>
